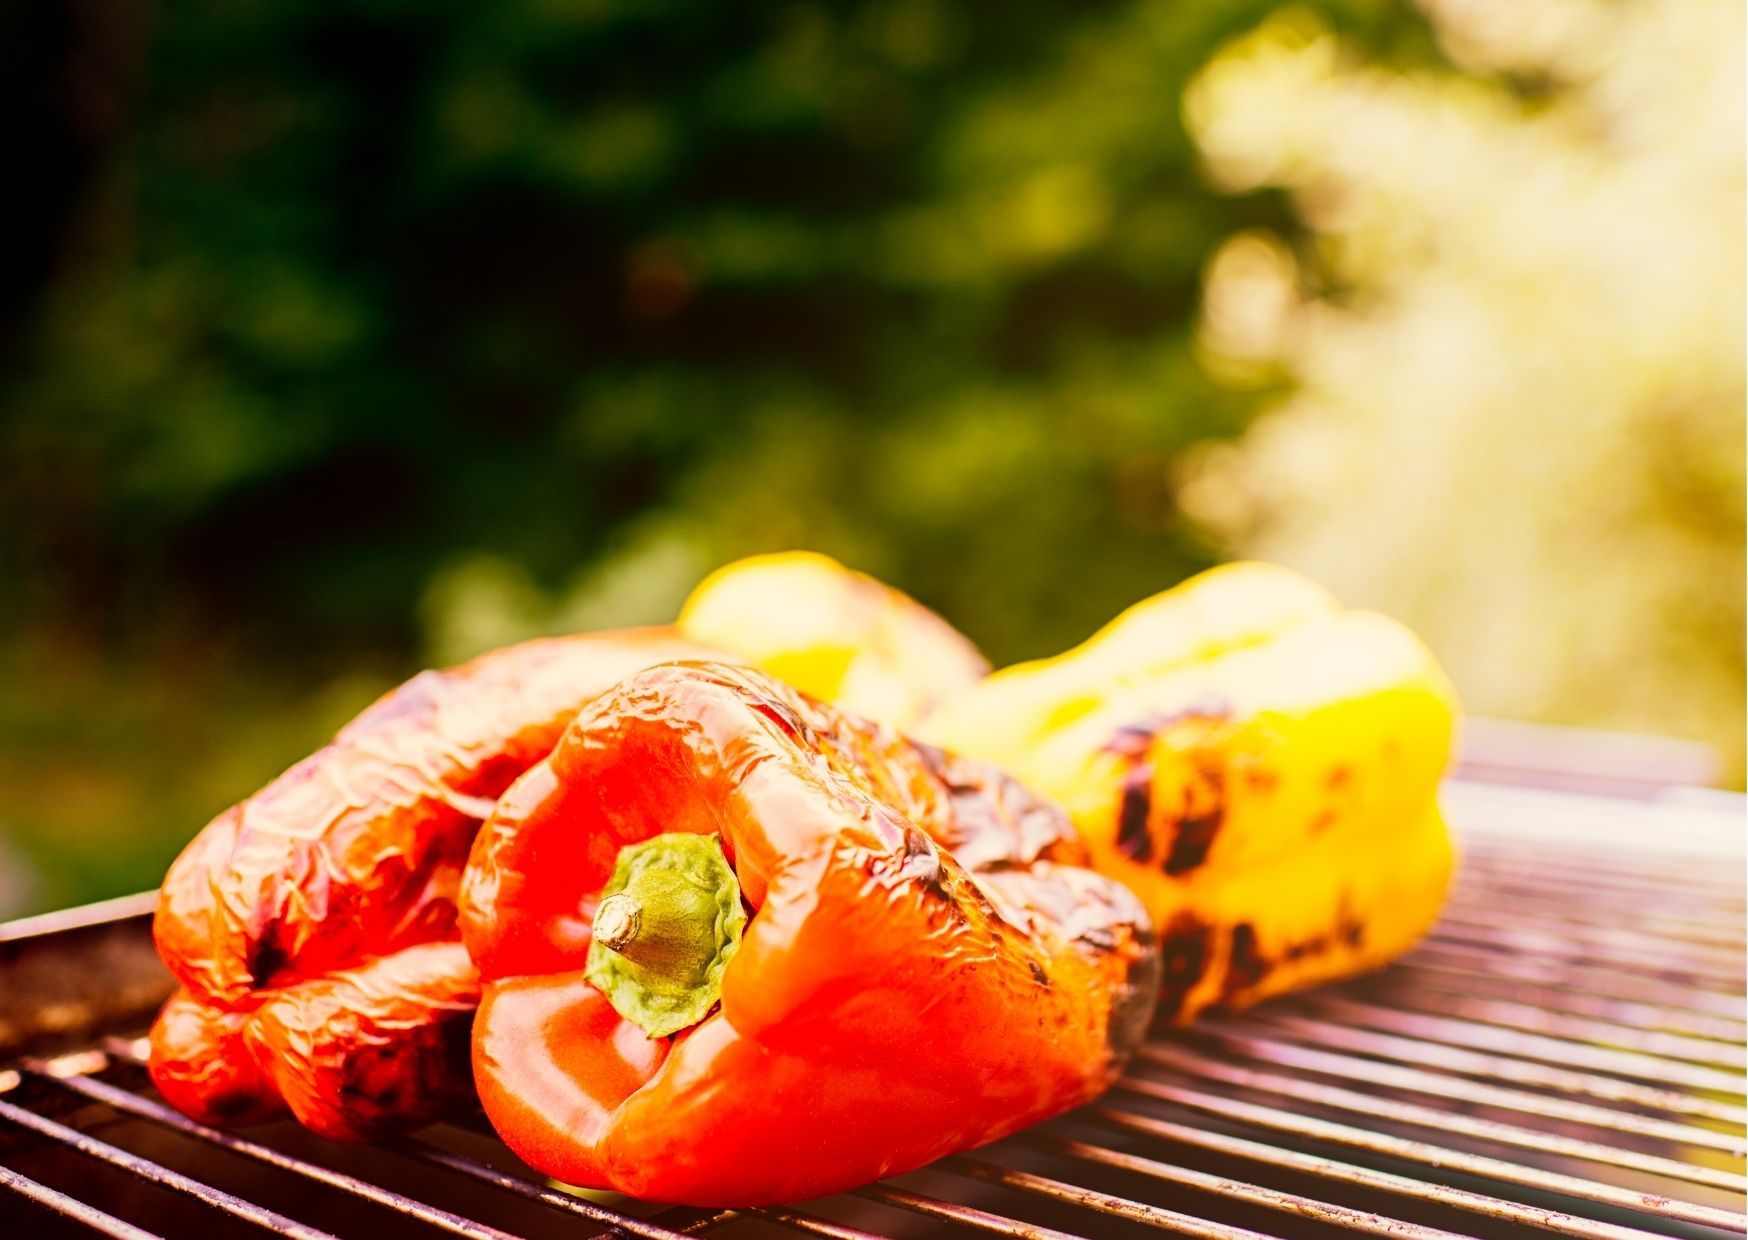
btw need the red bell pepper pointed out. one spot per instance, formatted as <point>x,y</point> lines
<point>926,965</point>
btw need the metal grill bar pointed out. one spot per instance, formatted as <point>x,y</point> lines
<point>995,1224</point>
<point>1357,1176</point>
<point>1463,984</point>
<point>130,1104</point>
<point>1508,1014</point>
<point>1208,1068</point>
<point>1117,1207</point>
<point>1473,1063</point>
<point>1544,908</point>
<point>1657,910</point>
<point>447,1160</point>
<point>1683,915</point>
<point>1689,921</point>
<point>72,1207</point>
<point>478,1171</point>
<point>1594,979</point>
<point>152,1173</point>
<point>1544,1064</point>
<point>1296,1126</point>
<point>1567,872</point>
<point>1183,1177</point>
<point>1527,1045</point>
<point>1351,1067</point>
<point>1636,872</point>
<point>131,1053</point>
<point>528,1190</point>
<point>1642,952</point>
<point>1574,885</point>
<point>1650,964</point>
<point>797,1221</point>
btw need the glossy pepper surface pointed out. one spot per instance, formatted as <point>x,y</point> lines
<point>926,963</point>
<point>834,633</point>
<point>312,926</point>
<point>1260,766</point>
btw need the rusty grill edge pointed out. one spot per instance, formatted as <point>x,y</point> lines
<point>1564,1057</point>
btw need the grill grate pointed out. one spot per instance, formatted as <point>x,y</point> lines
<point>1564,1056</point>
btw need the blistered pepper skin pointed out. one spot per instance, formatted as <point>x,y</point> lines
<point>1258,765</point>
<point>927,966</point>
<point>312,926</point>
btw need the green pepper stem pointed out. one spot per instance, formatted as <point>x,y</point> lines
<point>667,923</point>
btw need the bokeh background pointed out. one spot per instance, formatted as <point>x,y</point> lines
<point>341,339</point>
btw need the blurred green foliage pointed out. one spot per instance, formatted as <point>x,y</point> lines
<point>383,332</point>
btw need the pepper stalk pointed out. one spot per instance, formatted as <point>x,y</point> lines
<point>669,922</point>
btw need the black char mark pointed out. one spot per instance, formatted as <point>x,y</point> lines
<point>1314,946</point>
<point>1195,836</point>
<point>1247,966</point>
<point>270,958</point>
<point>1133,839</point>
<point>417,1080</point>
<point>1183,959</point>
<point>1203,814</point>
<point>381,1077</point>
<point>232,1104</point>
<point>1348,930</point>
<point>1195,833</point>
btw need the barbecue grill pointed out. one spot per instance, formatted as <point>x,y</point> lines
<point>1564,1055</point>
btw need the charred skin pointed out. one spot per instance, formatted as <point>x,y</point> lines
<point>352,1055</point>
<point>1209,771</point>
<point>374,1048</point>
<point>1262,773</point>
<point>312,927</point>
<point>928,963</point>
<point>203,1067</point>
<point>1333,908</point>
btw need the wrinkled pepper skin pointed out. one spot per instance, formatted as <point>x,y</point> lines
<point>312,926</point>
<point>927,965</point>
<point>1258,765</point>
<point>835,634</point>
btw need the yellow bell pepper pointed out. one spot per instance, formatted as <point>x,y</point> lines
<point>1257,764</point>
<point>837,635</point>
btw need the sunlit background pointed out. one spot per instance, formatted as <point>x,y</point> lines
<point>342,339</point>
